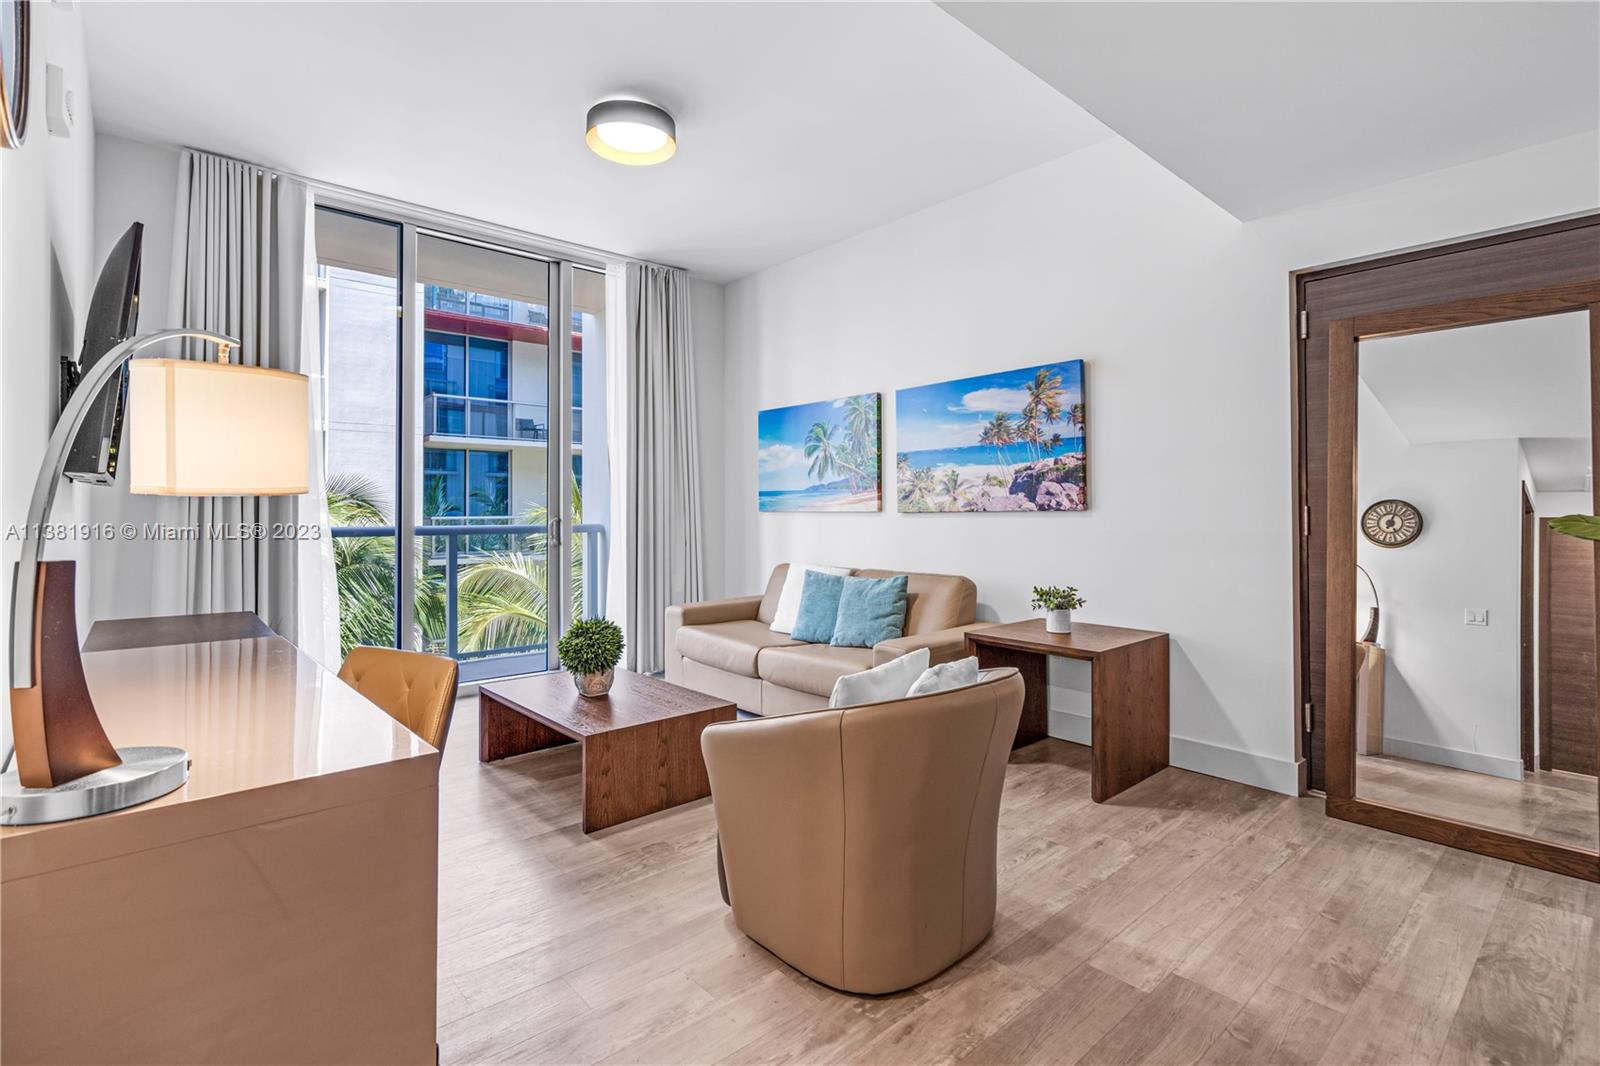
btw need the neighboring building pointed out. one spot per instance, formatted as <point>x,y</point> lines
<point>485,411</point>
<point>361,344</point>
<point>484,422</point>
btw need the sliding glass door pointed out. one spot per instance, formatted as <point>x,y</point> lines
<point>501,471</point>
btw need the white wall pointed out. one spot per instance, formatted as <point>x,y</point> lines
<point>1451,691</point>
<point>707,310</point>
<point>47,272</point>
<point>137,182</point>
<point>1181,312</point>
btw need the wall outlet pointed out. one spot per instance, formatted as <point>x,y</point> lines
<point>1477,616</point>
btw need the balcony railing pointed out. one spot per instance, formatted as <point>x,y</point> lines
<point>462,550</point>
<point>446,415</point>
<point>479,305</point>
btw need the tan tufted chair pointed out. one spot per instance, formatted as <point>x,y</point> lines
<point>858,844</point>
<point>417,690</point>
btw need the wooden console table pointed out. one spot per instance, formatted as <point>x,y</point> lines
<point>1130,692</point>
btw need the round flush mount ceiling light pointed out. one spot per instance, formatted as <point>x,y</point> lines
<point>631,132</point>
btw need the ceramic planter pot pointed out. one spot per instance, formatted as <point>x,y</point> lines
<point>1058,621</point>
<point>593,686</point>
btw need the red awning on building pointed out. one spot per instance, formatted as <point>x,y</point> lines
<point>472,326</point>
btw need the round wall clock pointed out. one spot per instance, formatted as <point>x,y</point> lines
<point>1391,523</point>
<point>13,72</point>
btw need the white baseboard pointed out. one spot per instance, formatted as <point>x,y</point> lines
<point>1068,714</point>
<point>1476,761</point>
<point>1069,720</point>
<point>1245,767</point>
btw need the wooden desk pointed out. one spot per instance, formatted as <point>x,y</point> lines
<point>641,743</point>
<point>280,907</point>
<point>1130,692</point>
<point>115,634</point>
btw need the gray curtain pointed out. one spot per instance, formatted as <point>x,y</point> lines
<point>659,480</point>
<point>241,258</point>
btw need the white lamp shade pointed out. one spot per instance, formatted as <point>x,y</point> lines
<point>216,429</point>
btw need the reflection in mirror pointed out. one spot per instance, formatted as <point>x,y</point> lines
<point>1477,699</point>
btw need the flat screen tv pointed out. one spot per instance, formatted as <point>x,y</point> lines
<point>113,316</point>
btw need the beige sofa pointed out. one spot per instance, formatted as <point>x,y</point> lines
<point>858,845</point>
<point>727,648</point>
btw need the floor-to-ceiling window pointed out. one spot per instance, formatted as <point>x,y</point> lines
<point>497,412</point>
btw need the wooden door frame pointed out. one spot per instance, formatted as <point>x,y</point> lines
<point>1344,336</point>
<point>1526,624</point>
<point>1548,539</point>
<point>1549,252</point>
<point>1544,644</point>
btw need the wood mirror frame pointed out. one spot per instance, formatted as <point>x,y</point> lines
<point>14,106</point>
<point>1344,337</point>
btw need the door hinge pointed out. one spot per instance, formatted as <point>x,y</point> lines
<point>1305,324</point>
<point>1305,710</point>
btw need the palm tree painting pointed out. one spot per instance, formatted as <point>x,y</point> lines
<point>1007,441</point>
<point>822,456</point>
<point>822,451</point>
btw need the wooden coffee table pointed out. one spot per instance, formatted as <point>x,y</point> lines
<point>641,743</point>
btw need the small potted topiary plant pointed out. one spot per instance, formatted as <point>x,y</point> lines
<point>1058,605</point>
<point>590,651</point>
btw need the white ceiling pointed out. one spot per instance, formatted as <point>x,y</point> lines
<point>799,124</point>
<point>1268,106</point>
<point>1559,464</point>
<point>1527,380</point>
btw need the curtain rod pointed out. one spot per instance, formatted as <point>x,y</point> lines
<point>431,216</point>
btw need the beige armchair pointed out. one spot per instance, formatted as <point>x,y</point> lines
<point>910,888</point>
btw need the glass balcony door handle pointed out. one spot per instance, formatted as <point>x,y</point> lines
<point>555,531</point>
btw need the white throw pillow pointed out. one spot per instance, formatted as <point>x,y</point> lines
<point>891,681</point>
<point>959,674</point>
<point>794,583</point>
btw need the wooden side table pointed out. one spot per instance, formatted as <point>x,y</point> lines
<point>1130,692</point>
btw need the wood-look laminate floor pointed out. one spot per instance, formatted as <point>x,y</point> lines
<point>1188,920</point>
<point>1548,804</point>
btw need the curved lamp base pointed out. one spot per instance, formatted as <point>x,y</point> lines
<point>144,774</point>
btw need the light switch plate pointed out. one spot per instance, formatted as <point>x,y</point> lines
<point>59,102</point>
<point>1477,616</point>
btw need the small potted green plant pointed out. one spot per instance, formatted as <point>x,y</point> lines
<point>590,651</point>
<point>1057,605</point>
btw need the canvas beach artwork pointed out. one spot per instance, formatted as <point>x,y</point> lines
<point>822,456</point>
<point>1008,441</point>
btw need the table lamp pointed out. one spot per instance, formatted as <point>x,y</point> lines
<point>195,428</point>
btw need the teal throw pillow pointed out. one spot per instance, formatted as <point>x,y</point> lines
<point>819,607</point>
<point>871,609</point>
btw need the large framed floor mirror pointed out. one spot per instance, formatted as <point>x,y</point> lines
<point>1463,625</point>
